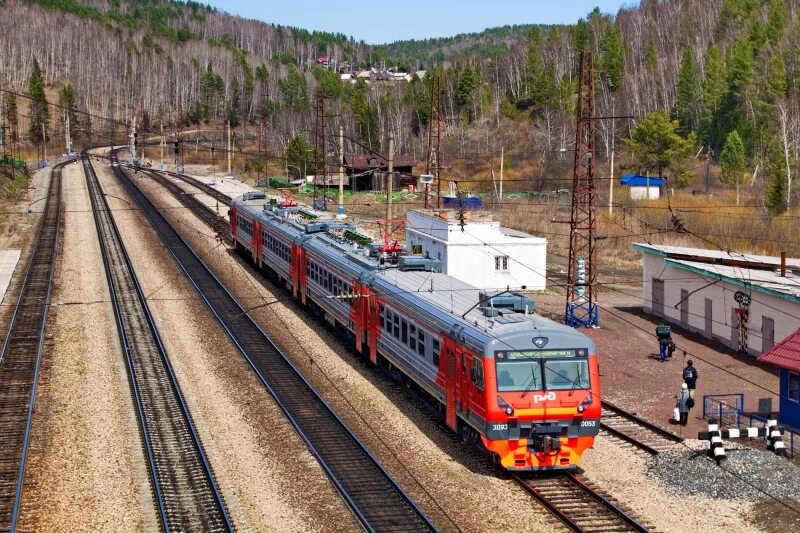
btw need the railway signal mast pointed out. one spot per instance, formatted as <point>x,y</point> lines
<point>581,308</point>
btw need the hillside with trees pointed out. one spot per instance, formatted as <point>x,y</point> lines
<point>719,79</point>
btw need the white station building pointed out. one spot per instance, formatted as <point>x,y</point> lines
<point>481,252</point>
<point>746,302</point>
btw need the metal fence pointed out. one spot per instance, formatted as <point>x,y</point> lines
<point>725,408</point>
<point>728,409</point>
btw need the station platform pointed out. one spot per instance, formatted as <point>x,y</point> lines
<point>8,263</point>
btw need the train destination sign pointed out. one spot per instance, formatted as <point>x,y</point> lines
<point>537,354</point>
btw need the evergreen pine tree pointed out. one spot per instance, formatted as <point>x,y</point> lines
<point>66,99</point>
<point>235,103</point>
<point>713,91</point>
<point>733,161</point>
<point>39,112</point>
<point>687,93</point>
<point>776,85</point>
<point>612,60</point>
<point>775,168</point>
<point>11,118</point>
<point>733,113</point>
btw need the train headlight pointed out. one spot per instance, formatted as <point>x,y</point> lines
<point>509,410</point>
<point>581,408</point>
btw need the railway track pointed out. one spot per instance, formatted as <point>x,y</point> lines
<point>204,212</point>
<point>571,499</point>
<point>635,430</point>
<point>21,357</point>
<point>184,488</point>
<point>578,504</point>
<point>373,496</point>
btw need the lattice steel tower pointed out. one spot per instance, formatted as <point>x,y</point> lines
<point>319,151</point>
<point>435,138</point>
<point>581,308</point>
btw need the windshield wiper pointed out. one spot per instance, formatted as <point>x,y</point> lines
<point>532,384</point>
<point>576,381</point>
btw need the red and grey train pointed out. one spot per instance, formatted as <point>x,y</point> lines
<point>523,386</point>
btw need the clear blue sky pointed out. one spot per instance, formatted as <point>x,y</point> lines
<point>380,21</point>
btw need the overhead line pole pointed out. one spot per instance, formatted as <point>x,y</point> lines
<point>581,307</point>
<point>340,211</point>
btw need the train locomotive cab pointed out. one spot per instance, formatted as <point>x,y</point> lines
<point>543,395</point>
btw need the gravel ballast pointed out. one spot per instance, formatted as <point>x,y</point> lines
<point>86,469</point>
<point>269,480</point>
<point>747,473</point>
<point>622,472</point>
<point>448,479</point>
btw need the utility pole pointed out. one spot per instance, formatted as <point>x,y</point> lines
<point>581,308</point>
<point>44,145</point>
<point>340,211</point>
<point>162,145</point>
<point>502,154</point>
<point>611,185</point>
<point>389,180</point>
<point>67,139</point>
<point>133,142</point>
<point>230,173</point>
<point>434,138</point>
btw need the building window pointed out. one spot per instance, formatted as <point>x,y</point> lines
<point>794,387</point>
<point>501,263</point>
<point>416,249</point>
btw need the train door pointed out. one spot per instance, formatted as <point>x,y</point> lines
<point>233,219</point>
<point>256,244</point>
<point>450,369</point>
<point>463,380</point>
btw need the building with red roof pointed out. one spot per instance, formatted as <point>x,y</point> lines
<point>786,356</point>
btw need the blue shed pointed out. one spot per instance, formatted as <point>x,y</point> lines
<point>786,356</point>
<point>643,187</point>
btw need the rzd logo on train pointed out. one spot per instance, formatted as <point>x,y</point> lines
<point>544,397</point>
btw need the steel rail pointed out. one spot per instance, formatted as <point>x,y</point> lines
<point>633,439</point>
<point>369,490</point>
<point>20,360</point>
<point>627,522</point>
<point>185,489</point>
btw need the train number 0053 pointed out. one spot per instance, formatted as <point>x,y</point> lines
<point>499,427</point>
<point>588,423</point>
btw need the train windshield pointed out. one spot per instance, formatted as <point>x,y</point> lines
<point>542,370</point>
<point>566,375</point>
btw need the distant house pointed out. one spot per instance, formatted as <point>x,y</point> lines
<point>786,356</point>
<point>323,60</point>
<point>367,171</point>
<point>643,187</point>
<point>347,77</point>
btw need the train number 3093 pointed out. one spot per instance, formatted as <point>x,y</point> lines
<point>499,427</point>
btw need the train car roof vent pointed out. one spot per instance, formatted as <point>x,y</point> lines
<point>493,303</point>
<point>254,195</point>
<point>417,262</point>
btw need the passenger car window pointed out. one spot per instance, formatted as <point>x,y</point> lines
<point>477,372</point>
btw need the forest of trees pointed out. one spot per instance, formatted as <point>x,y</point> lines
<point>716,78</point>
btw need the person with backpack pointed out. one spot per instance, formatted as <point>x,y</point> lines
<point>690,377</point>
<point>664,334</point>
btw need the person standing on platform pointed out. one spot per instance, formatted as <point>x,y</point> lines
<point>690,377</point>
<point>664,334</point>
<point>683,404</point>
